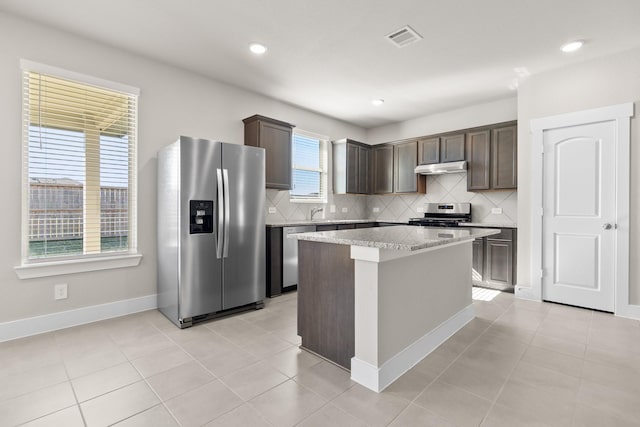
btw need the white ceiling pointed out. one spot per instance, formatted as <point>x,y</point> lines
<point>331,56</point>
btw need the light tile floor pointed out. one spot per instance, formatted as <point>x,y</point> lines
<point>519,363</point>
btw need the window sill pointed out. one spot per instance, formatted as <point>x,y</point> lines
<point>56,268</point>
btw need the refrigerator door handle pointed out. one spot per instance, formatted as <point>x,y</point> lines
<point>225,252</point>
<point>221,204</point>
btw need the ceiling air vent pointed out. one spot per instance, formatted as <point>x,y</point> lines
<point>404,36</point>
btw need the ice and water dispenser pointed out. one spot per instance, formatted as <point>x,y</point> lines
<point>200,216</point>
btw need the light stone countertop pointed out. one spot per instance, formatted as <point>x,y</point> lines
<point>300,222</point>
<point>399,238</point>
<point>489,224</point>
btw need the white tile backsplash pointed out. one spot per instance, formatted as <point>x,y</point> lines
<point>440,188</point>
<point>447,188</point>
<point>286,210</point>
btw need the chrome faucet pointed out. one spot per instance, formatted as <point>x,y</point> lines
<point>315,211</point>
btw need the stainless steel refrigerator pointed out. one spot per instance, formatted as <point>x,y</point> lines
<point>211,232</point>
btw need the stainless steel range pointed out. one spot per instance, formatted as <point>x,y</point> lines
<point>443,215</point>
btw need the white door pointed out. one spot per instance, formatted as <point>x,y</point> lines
<point>579,215</point>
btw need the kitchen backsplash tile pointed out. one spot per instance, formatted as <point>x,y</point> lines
<point>440,188</point>
<point>446,188</point>
<point>285,210</point>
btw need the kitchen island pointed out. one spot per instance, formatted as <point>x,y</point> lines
<point>376,301</point>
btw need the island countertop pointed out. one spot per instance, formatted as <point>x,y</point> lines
<point>301,222</point>
<point>399,238</point>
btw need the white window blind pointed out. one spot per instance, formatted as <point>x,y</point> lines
<point>79,163</point>
<point>309,169</point>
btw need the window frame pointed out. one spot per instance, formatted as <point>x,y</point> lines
<point>323,169</point>
<point>31,267</point>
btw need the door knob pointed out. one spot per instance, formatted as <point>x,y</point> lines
<point>607,226</point>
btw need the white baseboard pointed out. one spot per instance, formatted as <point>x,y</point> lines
<point>526,292</point>
<point>80,316</point>
<point>377,379</point>
<point>630,311</point>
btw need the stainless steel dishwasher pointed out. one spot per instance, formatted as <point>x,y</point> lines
<point>290,254</point>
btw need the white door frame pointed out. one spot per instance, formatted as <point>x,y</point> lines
<point>621,114</point>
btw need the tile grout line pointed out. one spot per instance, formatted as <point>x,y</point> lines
<point>143,379</point>
<point>584,355</point>
<point>495,399</point>
<point>162,401</point>
<point>259,360</point>
<point>413,401</point>
<point>516,365</point>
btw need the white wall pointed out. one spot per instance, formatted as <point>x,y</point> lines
<point>172,102</point>
<point>488,113</point>
<point>597,83</point>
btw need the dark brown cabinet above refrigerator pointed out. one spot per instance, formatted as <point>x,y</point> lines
<point>275,137</point>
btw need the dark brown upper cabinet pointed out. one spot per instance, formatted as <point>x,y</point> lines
<point>442,149</point>
<point>364,170</point>
<point>382,169</point>
<point>351,165</point>
<point>504,157</point>
<point>478,158</point>
<point>405,160</point>
<point>429,151</point>
<point>275,137</point>
<point>492,156</point>
<point>452,148</point>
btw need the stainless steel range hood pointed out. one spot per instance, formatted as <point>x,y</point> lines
<point>441,168</point>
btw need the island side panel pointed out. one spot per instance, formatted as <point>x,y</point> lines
<point>326,300</point>
<point>419,300</point>
<point>436,286</point>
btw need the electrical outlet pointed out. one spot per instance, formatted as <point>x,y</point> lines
<point>497,211</point>
<point>272,210</point>
<point>60,291</point>
<point>345,210</point>
<point>332,209</point>
<point>376,209</point>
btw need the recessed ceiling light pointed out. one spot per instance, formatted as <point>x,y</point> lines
<point>377,102</point>
<point>572,46</point>
<point>257,48</point>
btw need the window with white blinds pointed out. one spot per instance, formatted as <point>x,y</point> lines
<point>309,169</point>
<point>79,166</point>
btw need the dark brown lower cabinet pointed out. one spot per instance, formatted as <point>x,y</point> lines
<point>477,263</point>
<point>499,262</point>
<point>330,227</point>
<point>274,261</point>
<point>276,276</point>
<point>366,224</point>
<point>326,300</point>
<point>494,260</point>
